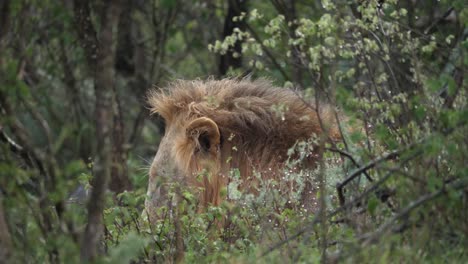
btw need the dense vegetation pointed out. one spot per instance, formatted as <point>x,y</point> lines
<point>76,138</point>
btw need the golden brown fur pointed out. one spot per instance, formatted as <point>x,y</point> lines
<point>257,123</point>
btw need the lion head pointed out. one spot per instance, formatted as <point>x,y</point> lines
<point>214,126</point>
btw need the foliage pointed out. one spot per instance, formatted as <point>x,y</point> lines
<point>396,189</point>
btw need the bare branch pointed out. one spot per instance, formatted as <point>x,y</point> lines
<point>361,170</point>
<point>374,236</point>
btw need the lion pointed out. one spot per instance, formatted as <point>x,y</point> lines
<point>214,126</point>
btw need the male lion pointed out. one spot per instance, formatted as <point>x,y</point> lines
<point>214,126</point>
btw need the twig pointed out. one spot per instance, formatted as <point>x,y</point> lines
<point>137,126</point>
<point>374,236</point>
<point>437,21</point>
<point>43,124</point>
<point>351,158</point>
<point>363,169</point>
<point>267,52</point>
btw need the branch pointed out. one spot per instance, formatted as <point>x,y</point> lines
<point>24,148</point>
<point>46,165</point>
<point>439,20</point>
<point>363,169</point>
<point>374,236</point>
<point>86,32</point>
<point>42,122</point>
<point>351,158</point>
<point>137,126</point>
<point>6,244</point>
<point>71,83</point>
<point>4,19</point>
<point>267,52</point>
<point>226,61</point>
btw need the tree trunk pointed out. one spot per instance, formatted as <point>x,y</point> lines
<point>235,8</point>
<point>100,59</point>
<point>5,238</point>
<point>288,9</point>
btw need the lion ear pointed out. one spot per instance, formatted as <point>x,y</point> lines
<point>205,133</point>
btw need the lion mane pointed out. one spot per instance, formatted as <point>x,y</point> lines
<point>218,125</point>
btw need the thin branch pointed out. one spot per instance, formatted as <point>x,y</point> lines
<point>45,163</point>
<point>86,32</point>
<point>43,124</point>
<point>70,81</point>
<point>351,158</point>
<point>437,21</point>
<point>138,125</point>
<point>267,52</point>
<point>24,147</point>
<point>374,236</point>
<point>363,169</point>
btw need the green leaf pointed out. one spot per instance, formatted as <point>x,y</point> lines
<point>434,146</point>
<point>128,249</point>
<point>433,84</point>
<point>64,134</point>
<point>168,3</point>
<point>372,205</point>
<point>434,183</point>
